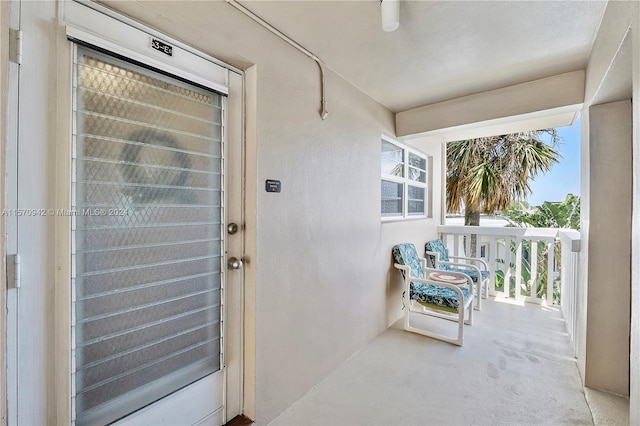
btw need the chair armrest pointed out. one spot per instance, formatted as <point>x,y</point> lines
<point>463,266</point>
<point>407,269</point>
<point>472,259</point>
<point>423,262</point>
<point>444,284</point>
<point>436,256</point>
<point>439,262</point>
<point>403,268</point>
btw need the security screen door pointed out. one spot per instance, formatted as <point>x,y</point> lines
<point>147,246</point>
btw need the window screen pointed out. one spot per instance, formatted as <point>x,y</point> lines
<point>146,233</point>
<point>392,198</point>
<point>416,200</point>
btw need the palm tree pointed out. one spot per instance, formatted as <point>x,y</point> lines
<point>486,175</point>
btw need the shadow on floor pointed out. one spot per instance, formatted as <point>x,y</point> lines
<point>516,367</point>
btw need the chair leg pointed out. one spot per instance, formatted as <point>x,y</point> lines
<point>460,325</point>
<point>470,308</point>
<point>458,340</point>
<point>407,313</point>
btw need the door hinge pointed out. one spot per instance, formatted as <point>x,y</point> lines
<point>15,46</point>
<point>13,271</point>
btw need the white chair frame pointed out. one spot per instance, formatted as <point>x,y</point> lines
<point>482,285</point>
<point>411,306</point>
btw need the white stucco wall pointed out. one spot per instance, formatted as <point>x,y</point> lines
<point>321,256</point>
<point>634,368</point>
<point>583,273</point>
<point>556,95</point>
<point>609,289</point>
<point>619,18</point>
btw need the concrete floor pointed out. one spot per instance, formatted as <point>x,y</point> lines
<point>516,367</point>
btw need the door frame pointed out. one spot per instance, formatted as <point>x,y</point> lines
<point>9,79</point>
<point>4,88</point>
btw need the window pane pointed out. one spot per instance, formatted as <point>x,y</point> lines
<point>391,208</point>
<point>392,152</point>
<point>390,167</point>
<point>147,270</point>
<point>416,200</point>
<point>391,159</point>
<point>417,161</point>
<point>417,175</point>
<point>391,198</point>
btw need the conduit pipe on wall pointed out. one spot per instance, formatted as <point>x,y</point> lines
<point>265,24</point>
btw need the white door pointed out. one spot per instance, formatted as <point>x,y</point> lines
<point>147,261</point>
<point>122,198</point>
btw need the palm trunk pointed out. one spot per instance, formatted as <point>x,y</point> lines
<point>472,218</point>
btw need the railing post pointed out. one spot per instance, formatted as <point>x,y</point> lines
<point>467,245</point>
<point>478,239</point>
<point>456,245</point>
<point>569,274</point>
<point>551,254</point>
<point>492,265</point>
<point>534,269</point>
<point>506,288</point>
<point>518,288</point>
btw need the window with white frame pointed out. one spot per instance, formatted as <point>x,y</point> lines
<point>404,182</point>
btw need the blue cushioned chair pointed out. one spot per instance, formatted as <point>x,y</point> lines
<point>425,295</point>
<point>474,267</point>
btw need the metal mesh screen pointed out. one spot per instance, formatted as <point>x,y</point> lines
<point>146,223</point>
<point>392,198</point>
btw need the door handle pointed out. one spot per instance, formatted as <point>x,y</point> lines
<point>234,263</point>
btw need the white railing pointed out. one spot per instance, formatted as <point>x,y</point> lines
<point>570,280</point>
<point>535,265</point>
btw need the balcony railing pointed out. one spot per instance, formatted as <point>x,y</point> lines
<point>535,265</point>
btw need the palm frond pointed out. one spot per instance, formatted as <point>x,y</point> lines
<point>488,174</point>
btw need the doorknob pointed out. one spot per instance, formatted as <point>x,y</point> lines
<point>232,228</point>
<point>234,263</point>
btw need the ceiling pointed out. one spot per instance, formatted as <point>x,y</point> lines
<point>442,49</point>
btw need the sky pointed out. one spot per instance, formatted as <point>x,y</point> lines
<point>564,177</point>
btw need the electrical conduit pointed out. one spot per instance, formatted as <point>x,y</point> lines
<point>256,18</point>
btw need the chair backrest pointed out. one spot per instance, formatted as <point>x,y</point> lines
<point>406,254</point>
<point>437,246</point>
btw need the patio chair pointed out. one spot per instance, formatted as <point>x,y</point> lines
<point>476,268</point>
<point>427,296</point>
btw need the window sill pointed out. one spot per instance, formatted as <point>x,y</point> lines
<point>403,219</point>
